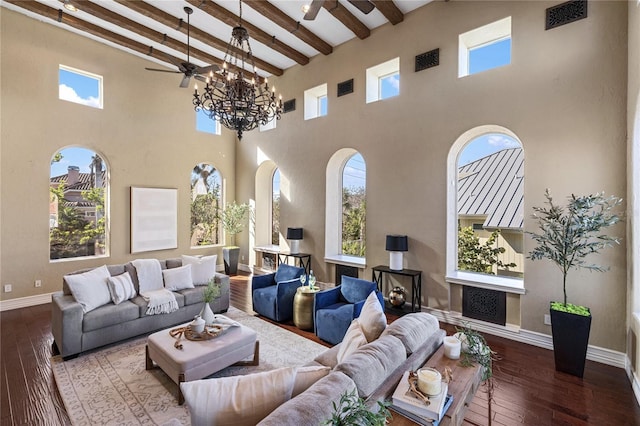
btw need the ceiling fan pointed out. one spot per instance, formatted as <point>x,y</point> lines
<point>187,68</point>
<point>364,6</point>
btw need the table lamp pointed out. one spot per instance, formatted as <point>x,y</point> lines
<point>294,235</point>
<point>396,244</point>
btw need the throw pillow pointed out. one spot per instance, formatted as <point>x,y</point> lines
<point>306,376</point>
<point>177,278</point>
<point>149,274</point>
<point>372,318</point>
<point>202,268</point>
<point>353,339</point>
<point>121,288</point>
<point>238,400</point>
<point>90,288</point>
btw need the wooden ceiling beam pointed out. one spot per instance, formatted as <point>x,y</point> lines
<point>169,20</point>
<point>223,15</point>
<point>390,11</point>
<point>343,15</point>
<point>119,20</point>
<point>283,20</point>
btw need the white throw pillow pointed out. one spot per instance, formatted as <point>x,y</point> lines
<point>149,274</point>
<point>90,288</point>
<point>306,376</point>
<point>353,339</point>
<point>238,400</point>
<point>121,288</point>
<point>372,318</point>
<point>177,278</point>
<point>202,268</point>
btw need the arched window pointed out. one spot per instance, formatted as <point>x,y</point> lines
<point>275,208</point>
<point>206,199</point>
<point>354,210</point>
<point>486,208</point>
<point>78,213</point>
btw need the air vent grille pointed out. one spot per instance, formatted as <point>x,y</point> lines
<point>484,304</point>
<point>428,60</point>
<point>345,87</point>
<point>289,106</point>
<point>565,13</point>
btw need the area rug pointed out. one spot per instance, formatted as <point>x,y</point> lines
<point>110,386</point>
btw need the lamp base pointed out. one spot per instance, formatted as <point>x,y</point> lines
<point>395,260</point>
<point>294,246</point>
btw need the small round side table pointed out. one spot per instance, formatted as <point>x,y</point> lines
<point>303,307</point>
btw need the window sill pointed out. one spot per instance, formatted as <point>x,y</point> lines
<point>357,262</point>
<point>490,282</point>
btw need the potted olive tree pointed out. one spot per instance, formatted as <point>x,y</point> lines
<point>566,236</point>
<point>233,218</point>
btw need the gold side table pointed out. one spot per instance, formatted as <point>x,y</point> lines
<point>303,307</point>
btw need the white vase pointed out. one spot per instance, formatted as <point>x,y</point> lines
<point>207,314</point>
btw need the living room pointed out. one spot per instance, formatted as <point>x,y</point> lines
<point>569,96</point>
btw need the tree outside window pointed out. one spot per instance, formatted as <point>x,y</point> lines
<point>354,206</point>
<point>206,199</point>
<point>275,208</point>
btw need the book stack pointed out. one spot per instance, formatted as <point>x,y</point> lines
<point>409,405</point>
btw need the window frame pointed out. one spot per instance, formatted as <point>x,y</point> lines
<point>483,36</point>
<point>312,101</point>
<point>87,74</point>
<point>221,236</point>
<point>373,76</point>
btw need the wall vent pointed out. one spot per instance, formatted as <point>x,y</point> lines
<point>349,271</point>
<point>427,60</point>
<point>345,87</point>
<point>485,305</point>
<point>565,13</point>
<point>289,106</point>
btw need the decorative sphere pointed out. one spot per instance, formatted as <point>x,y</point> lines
<point>397,297</point>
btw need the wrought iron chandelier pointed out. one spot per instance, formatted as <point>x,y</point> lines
<point>238,103</point>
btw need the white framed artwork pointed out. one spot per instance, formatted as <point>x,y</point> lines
<point>154,219</point>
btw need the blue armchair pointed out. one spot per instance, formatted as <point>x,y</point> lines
<point>335,308</point>
<point>272,294</point>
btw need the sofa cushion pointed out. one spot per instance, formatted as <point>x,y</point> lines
<point>413,329</point>
<point>177,278</point>
<point>110,314</point>
<point>121,288</point>
<point>372,318</point>
<point>372,363</point>
<point>354,289</point>
<point>203,269</point>
<point>264,301</point>
<point>90,288</point>
<point>238,400</point>
<point>353,339</point>
<point>328,357</point>
<point>287,273</point>
<point>314,406</point>
<point>143,304</point>
<point>192,295</point>
<point>306,376</point>
<point>339,316</point>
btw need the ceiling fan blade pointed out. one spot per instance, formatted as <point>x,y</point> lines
<point>314,8</point>
<point>206,70</point>
<point>185,81</point>
<point>159,70</point>
<point>201,78</point>
<point>364,6</point>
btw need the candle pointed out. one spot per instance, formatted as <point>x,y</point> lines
<point>452,347</point>
<point>429,381</point>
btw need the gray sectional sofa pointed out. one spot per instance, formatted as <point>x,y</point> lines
<point>75,331</point>
<point>373,370</point>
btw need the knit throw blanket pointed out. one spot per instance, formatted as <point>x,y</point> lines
<point>160,301</point>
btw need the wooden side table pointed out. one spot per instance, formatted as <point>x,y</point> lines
<point>303,307</point>
<point>463,387</point>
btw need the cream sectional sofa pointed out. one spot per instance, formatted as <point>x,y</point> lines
<point>75,331</point>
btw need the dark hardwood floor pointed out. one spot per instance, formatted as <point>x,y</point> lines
<point>527,388</point>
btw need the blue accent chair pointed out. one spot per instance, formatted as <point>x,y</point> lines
<point>272,294</point>
<point>335,308</point>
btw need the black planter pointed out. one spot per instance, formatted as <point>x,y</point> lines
<point>230,256</point>
<point>570,341</point>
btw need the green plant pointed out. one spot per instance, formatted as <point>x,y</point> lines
<point>569,234</point>
<point>211,292</point>
<point>351,410</point>
<point>477,257</point>
<point>233,218</point>
<point>475,349</point>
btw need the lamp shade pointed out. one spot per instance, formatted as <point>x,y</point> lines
<point>294,233</point>
<point>397,243</point>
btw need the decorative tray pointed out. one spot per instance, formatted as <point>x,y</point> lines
<point>210,332</point>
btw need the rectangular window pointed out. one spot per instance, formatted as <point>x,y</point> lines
<point>389,85</point>
<point>206,124</point>
<point>315,102</point>
<point>488,56</point>
<point>484,48</point>
<point>322,105</point>
<point>80,87</point>
<point>383,81</point>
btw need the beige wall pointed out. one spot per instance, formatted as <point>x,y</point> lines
<point>564,96</point>
<point>146,133</point>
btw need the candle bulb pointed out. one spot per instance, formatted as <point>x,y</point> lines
<point>430,381</point>
<point>452,347</point>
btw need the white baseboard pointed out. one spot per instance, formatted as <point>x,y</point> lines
<point>24,302</point>
<point>633,378</point>
<point>512,332</point>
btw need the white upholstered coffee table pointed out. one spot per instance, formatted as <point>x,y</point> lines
<point>199,359</point>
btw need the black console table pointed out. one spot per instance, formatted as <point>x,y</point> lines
<point>304,260</point>
<point>416,282</point>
